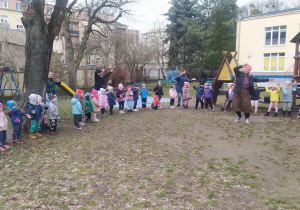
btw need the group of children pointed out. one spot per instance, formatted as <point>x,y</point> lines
<point>36,114</point>
<point>83,104</point>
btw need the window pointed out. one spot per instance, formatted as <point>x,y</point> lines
<point>4,4</point>
<point>18,6</point>
<point>20,27</point>
<point>49,10</point>
<point>106,18</point>
<point>85,28</point>
<point>274,61</point>
<point>4,19</point>
<point>275,35</point>
<point>71,27</point>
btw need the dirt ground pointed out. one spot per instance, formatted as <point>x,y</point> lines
<point>162,159</point>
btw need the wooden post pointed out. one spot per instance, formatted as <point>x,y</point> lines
<point>296,70</point>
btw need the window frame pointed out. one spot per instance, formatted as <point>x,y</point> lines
<point>2,16</point>
<point>271,31</point>
<point>2,4</point>
<point>18,6</point>
<point>278,56</point>
<point>20,29</point>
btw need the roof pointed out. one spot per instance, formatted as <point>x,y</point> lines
<point>287,11</point>
<point>294,40</point>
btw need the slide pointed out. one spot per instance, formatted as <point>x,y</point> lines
<point>66,88</point>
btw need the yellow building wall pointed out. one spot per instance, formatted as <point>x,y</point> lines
<point>14,18</point>
<point>250,42</point>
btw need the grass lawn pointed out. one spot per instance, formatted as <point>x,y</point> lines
<point>162,159</point>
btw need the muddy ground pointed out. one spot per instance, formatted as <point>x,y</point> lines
<point>162,159</point>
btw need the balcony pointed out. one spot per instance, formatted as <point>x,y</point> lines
<point>74,32</point>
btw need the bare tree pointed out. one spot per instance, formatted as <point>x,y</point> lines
<point>39,42</point>
<point>262,6</point>
<point>156,40</point>
<point>135,56</point>
<point>96,24</point>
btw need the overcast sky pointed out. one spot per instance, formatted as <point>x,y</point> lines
<point>146,12</point>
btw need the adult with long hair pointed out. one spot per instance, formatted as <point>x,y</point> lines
<point>179,85</point>
<point>243,89</point>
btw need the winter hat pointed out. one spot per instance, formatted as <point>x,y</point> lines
<point>129,87</point>
<point>206,84</point>
<point>120,86</point>
<point>172,86</point>
<point>103,86</point>
<point>135,84</point>
<point>87,95</point>
<point>77,96</point>
<point>33,99</point>
<point>101,91</point>
<point>186,83</point>
<point>99,70</point>
<point>11,104</point>
<point>95,93</point>
<point>143,85</point>
<point>201,83</point>
<point>287,83</point>
<point>255,84</point>
<point>248,67</point>
<point>80,92</point>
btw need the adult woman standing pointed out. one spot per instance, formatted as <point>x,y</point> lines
<point>179,85</point>
<point>243,89</point>
<point>99,78</point>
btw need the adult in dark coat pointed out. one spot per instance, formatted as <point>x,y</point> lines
<point>243,89</point>
<point>180,83</point>
<point>51,86</point>
<point>100,78</point>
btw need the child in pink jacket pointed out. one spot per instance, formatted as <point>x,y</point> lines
<point>3,130</point>
<point>173,96</point>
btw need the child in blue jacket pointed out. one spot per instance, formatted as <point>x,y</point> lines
<point>35,110</point>
<point>144,93</point>
<point>16,116</point>
<point>76,110</point>
<point>111,99</point>
<point>199,94</point>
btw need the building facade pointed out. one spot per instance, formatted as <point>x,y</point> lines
<point>263,41</point>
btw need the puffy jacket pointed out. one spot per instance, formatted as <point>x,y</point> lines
<point>16,115</point>
<point>129,96</point>
<point>180,82</point>
<point>52,110</point>
<point>135,91</point>
<point>96,104</point>
<point>3,121</point>
<point>120,94</point>
<point>186,92</point>
<point>274,94</point>
<point>199,92</point>
<point>158,91</point>
<point>89,106</point>
<point>111,99</point>
<point>173,93</point>
<point>38,111</point>
<point>76,106</point>
<point>144,93</point>
<point>208,93</point>
<point>287,94</point>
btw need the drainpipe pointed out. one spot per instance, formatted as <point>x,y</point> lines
<point>239,40</point>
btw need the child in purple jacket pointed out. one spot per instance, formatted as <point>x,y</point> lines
<point>207,95</point>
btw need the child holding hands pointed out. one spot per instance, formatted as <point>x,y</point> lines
<point>274,92</point>
<point>16,116</point>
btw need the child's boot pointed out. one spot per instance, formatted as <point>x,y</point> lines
<point>38,134</point>
<point>275,114</point>
<point>283,113</point>
<point>290,114</point>
<point>255,112</point>
<point>32,136</point>
<point>267,114</point>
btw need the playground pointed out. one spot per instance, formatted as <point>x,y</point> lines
<point>163,159</point>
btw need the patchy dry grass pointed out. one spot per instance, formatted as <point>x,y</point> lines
<point>164,159</point>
